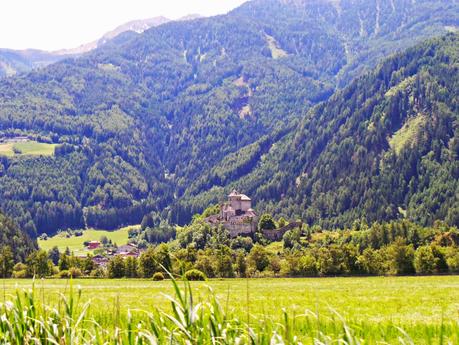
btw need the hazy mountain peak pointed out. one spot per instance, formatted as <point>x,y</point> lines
<point>137,26</point>
<point>14,61</point>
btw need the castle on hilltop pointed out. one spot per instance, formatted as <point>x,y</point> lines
<point>236,215</point>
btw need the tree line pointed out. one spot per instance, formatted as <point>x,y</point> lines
<point>395,248</point>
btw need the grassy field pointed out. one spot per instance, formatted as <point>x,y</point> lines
<point>75,244</point>
<point>6,149</point>
<point>31,148</point>
<point>425,307</point>
<point>407,134</point>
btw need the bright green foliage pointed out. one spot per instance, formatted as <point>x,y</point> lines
<point>258,258</point>
<point>158,276</point>
<point>266,222</point>
<point>424,260</point>
<point>38,264</point>
<point>116,267</point>
<point>6,262</point>
<point>401,257</point>
<point>131,269</point>
<point>195,275</point>
<point>147,263</point>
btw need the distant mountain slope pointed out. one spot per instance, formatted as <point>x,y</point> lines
<point>145,118</point>
<point>385,147</point>
<point>137,26</point>
<point>17,61</point>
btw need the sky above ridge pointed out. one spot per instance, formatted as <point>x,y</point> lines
<point>59,24</point>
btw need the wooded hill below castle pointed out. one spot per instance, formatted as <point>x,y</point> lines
<point>172,120</point>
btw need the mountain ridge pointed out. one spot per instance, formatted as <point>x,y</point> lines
<point>14,61</point>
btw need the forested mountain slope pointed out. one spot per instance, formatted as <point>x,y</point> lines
<point>146,117</point>
<point>14,244</point>
<point>385,147</point>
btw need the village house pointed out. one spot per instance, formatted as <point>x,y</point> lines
<point>19,139</point>
<point>236,215</point>
<point>128,250</point>
<point>93,245</point>
<point>100,260</point>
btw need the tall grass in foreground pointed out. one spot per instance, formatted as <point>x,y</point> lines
<point>27,320</point>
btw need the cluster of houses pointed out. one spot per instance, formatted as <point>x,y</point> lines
<point>128,250</point>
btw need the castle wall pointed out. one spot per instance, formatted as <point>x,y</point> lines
<point>246,205</point>
<point>236,204</point>
<point>239,229</point>
<point>278,234</point>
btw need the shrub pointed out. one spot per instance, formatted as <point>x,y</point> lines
<point>195,275</point>
<point>99,272</point>
<point>20,270</point>
<point>258,258</point>
<point>424,260</point>
<point>308,265</point>
<point>266,222</point>
<point>20,274</point>
<point>75,272</point>
<point>64,274</point>
<point>453,259</point>
<point>158,276</point>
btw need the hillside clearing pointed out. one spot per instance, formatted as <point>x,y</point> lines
<point>6,149</point>
<point>75,243</point>
<point>276,51</point>
<point>407,134</point>
<point>29,148</point>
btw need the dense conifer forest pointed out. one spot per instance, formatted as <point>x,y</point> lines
<point>171,119</point>
<point>385,147</point>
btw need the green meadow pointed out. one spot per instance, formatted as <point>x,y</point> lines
<point>6,149</point>
<point>30,148</point>
<point>76,243</point>
<point>376,309</point>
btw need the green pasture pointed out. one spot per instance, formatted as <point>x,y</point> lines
<point>374,307</point>
<point>6,149</point>
<point>31,148</point>
<point>75,243</point>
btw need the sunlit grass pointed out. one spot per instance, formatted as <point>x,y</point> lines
<point>75,243</point>
<point>374,307</point>
<point>35,148</point>
<point>31,148</point>
<point>6,149</point>
<point>407,134</point>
